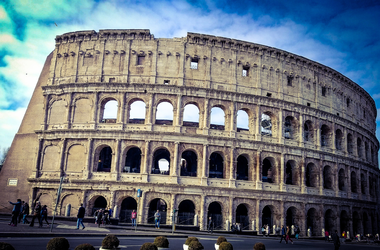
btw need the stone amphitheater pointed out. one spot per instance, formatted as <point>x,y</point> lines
<point>253,135</point>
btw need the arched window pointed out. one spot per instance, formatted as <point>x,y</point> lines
<point>105,159</point>
<point>137,112</point>
<point>217,118</point>
<point>189,163</point>
<point>290,128</point>
<point>109,111</point>
<point>133,161</point>
<point>242,121</point>
<point>191,116</point>
<point>359,147</point>
<point>325,132</point>
<point>350,146</point>
<point>363,182</point>
<point>267,170</point>
<point>338,139</point>
<point>266,125</point>
<point>354,187</point>
<point>164,115</point>
<point>290,176</point>
<point>311,175</point>
<point>341,180</point>
<point>161,162</point>
<point>216,166</point>
<point>327,177</point>
<point>308,131</point>
<point>242,168</point>
<point>367,157</point>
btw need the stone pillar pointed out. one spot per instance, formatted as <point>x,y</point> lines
<point>149,111</point>
<point>257,127</point>
<point>204,166</point>
<point>321,177</point>
<point>37,159</point>
<point>232,168</point>
<point>89,160</point>
<point>280,125</point>
<point>68,210</point>
<point>301,131</point>
<point>176,164</point>
<point>62,156</point>
<point>203,214</point>
<point>145,168</point>
<point>115,169</point>
<point>282,173</point>
<point>259,185</point>
<point>177,121</point>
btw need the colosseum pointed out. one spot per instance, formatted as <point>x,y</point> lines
<point>251,134</point>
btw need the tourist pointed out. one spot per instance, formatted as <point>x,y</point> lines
<point>157,218</point>
<point>37,214</point>
<point>80,216</point>
<point>210,225</point>
<point>44,215</point>
<point>15,212</point>
<point>283,232</point>
<point>335,239</point>
<point>326,235</point>
<point>133,218</point>
<point>288,235</point>
<point>25,213</point>
<point>297,231</point>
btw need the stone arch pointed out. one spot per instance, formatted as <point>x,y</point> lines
<point>242,168</point>
<point>328,178</point>
<point>186,212</point>
<point>50,158</point>
<point>108,109</point>
<point>46,199</point>
<point>164,112</point>
<point>268,171</point>
<point>71,199</point>
<point>242,216</point>
<point>291,128</point>
<point>97,202</point>
<point>325,135</point>
<point>350,143</point>
<point>330,221</point>
<point>357,223</point>
<point>354,180</point>
<point>308,131</point>
<point>191,115</point>
<point>312,221</point>
<point>161,161</point>
<point>363,183</point>
<point>342,180</point>
<point>292,217</point>
<point>136,111</point>
<point>76,158</point>
<point>132,163</point>
<point>359,147</point>
<point>344,221</point>
<point>216,165</point>
<point>312,175</point>
<point>189,163</point>
<point>57,111</point>
<point>82,108</point>
<point>127,206</point>
<point>268,124</point>
<point>154,205</point>
<point>215,211</point>
<point>218,117</point>
<point>242,120</point>
<point>267,216</point>
<point>103,158</point>
<point>338,139</point>
<point>291,173</point>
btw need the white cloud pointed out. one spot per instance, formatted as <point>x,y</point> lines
<point>10,122</point>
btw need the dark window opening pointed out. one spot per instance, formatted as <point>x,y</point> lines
<point>269,94</point>
<point>245,71</point>
<point>325,135</point>
<point>242,168</point>
<point>354,187</point>
<point>194,63</point>
<point>105,159</point>
<point>323,91</point>
<point>308,104</point>
<point>186,213</point>
<point>216,167</point>
<point>311,175</point>
<point>127,206</point>
<point>338,139</point>
<point>350,147</point>
<point>267,171</point>
<point>290,80</point>
<point>348,102</point>
<point>140,60</point>
<point>327,178</point>
<point>166,82</point>
<point>359,147</point>
<point>290,216</point>
<point>363,183</point>
<point>215,213</point>
<point>189,164</point>
<point>161,162</point>
<point>288,130</point>
<point>289,173</point>
<point>100,203</point>
<point>242,217</point>
<point>133,161</point>
<point>308,131</point>
<point>267,217</point>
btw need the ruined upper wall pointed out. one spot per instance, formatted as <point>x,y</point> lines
<point>136,57</point>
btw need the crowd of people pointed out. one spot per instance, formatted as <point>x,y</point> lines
<point>21,210</point>
<point>103,216</point>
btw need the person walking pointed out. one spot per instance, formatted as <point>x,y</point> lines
<point>288,235</point>
<point>99,217</point>
<point>267,230</point>
<point>283,234</point>
<point>37,214</point>
<point>335,239</point>
<point>15,212</point>
<point>44,214</point>
<point>157,218</point>
<point>297,232</point>
<point>133,218</point>
<point>20,215</point>
<point>80,216</point>
<point>210,225</point>
<point>327,235</point>
<point>25,213</point>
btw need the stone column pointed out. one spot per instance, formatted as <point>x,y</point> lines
<point>259,182</point>
<point>178,115</point>
<point>321,177</point>
<point>37,159</point>
<point>146,169</point>
<point>301,131</point>
<point>257,125</point>
<point>203,215</point>
<point>233,168</point>
<point>62,157</point>
<point>280,130</point>
<point>282,173</point>
<point>204,166</point>
<point>89,162</point>
<point>115,169</point>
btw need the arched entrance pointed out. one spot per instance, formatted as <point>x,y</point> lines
<point>267,171</point>
<point>266,218</point>
<point>344,221</point>
<point>186,212</point>
<point>216,166</point>
<point>100,203</point>
<point>366,224</point>
<point>357,223</point>
<point>242,168</point>
<point>312,217</point>
<point>127,206</point>
<point>215,212</point>
<point>242,216</point>
<point>330,221</point>
<point>189,164</point>
<point>291,216</point>
<point>133,161</point>
<point>157,204</point>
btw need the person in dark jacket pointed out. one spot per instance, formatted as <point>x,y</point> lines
<point>335,239</point>
<point>80,216</point>
<point>15,212</point>
<point>37,214</point>
<point>25,213</point>
<point>283,233</point>
<point>44,215</point>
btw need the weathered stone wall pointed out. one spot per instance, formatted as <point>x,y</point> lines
<point>327,114</point>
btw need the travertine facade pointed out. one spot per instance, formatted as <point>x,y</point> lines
<point>307,157</point>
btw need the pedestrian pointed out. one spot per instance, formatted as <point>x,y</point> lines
<point>210,225</point>
<point>283,234</point>
<point>133,218</point>
<point>80,216</point>
<point>44,215</point>
<point>25,213</point>
<point>267,230</point>
<point>259,246</point>
<point>15,212</point>
<point>297,232</point>
<point>335,239</point>
<point>37,214</point>
<point>157,218</point>
<point>96,216</point>
<point>99,217</point>
<point>288,235</point>
<point>20,215</point>
<point>110,211</point>
<point>327,235</point>
<point>263,230</point>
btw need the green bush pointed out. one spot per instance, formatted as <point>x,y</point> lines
<point>259,246</point>
<point>110,242</point>
<point>161,241</point>
<point>58,243</point>
<point>195,245</point>
<point>85,246</point>
<point>225,246</point>
<point>148,246</point>
<point>6,246</point>
<point>220,240</point>
<point>190,239</point>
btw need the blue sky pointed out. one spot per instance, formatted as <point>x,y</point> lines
<point>341,34</point>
